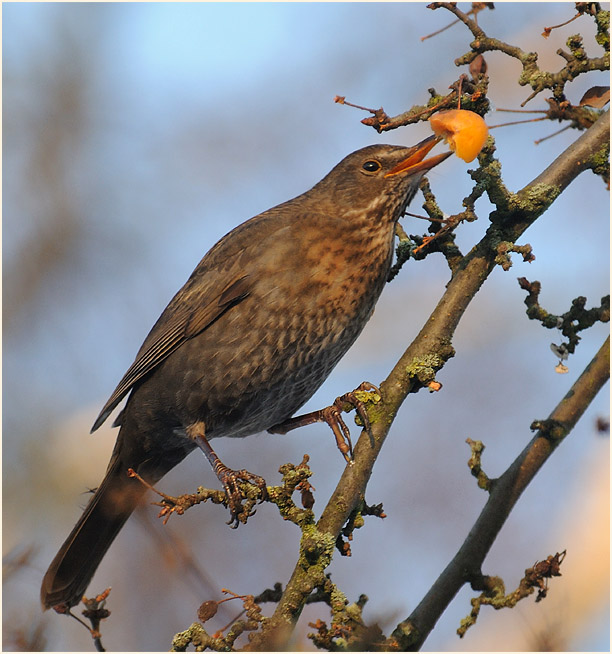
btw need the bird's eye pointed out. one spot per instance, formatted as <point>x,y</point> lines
<point>371,166</point>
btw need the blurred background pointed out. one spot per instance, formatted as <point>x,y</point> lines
<point>135,136</point>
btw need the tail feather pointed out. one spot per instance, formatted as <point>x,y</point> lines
<point>77,560</point>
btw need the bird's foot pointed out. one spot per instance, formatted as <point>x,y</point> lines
<point>332,415</point>
<point>231,496</point>
<point>230,481</point>
<point>235,495</point>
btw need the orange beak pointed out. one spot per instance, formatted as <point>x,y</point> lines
<point>416,161</point>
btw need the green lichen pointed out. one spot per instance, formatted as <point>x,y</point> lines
<point>600,161</point>
<point>602,18</point>
<point>537,198</point>
<point>574,43</point>
<point>317,548</point>
<point>406,635</point>
<point>338,599</point>
<point>424,368</point>
<point>534,77</point>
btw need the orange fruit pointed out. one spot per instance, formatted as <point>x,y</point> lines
<point>464,131</point>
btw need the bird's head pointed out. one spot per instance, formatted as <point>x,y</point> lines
<point>379,179</point>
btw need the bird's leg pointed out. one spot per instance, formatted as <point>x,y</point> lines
<point>333,417</point>
<point>229,478</point>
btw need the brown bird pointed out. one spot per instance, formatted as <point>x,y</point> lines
<point>257,328</point>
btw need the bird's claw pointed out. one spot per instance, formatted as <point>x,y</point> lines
<point>332,415</point>
<point>352,398</point>
<point>235,495</point>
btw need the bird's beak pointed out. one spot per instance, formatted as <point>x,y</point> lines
<point>416,162</point>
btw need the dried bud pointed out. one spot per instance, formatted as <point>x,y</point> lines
<point>207,610</point>
<point>478,67</point>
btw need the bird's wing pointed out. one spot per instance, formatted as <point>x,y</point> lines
<point>219,282</point>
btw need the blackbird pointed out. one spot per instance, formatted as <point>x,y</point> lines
<point>257,328</point>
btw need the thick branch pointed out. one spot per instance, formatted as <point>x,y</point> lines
<point>583,154</point>
<point>428,353</point>
<point>505,491</point>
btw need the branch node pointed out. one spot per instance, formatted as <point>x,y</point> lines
<point>474,464</point>
<point>506,247</point>
<point>552,430</point>
<point>570,323</point>
<point>494,593</point>
<point>424,368</point>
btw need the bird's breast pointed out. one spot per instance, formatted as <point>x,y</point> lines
<point>347,275</point>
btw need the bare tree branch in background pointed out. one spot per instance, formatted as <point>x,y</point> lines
<point>56,205</point>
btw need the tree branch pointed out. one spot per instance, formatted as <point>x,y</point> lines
<point>505,491</point>
<point>532,75</point>
<point>416,368</point>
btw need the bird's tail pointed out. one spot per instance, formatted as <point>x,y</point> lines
<point>77,560</point>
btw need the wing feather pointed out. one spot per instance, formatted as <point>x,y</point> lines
<point>172,329</point>
<point>219,282</point>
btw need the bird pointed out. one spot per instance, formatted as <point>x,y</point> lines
<point>256,329</point>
